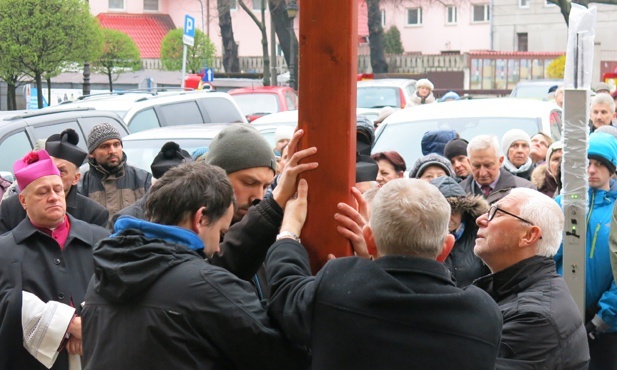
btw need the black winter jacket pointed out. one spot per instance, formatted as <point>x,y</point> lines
<point>398,312</point>
<point>542,327</point>
<point>154,304</point>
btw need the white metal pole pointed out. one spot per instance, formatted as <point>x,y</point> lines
<point>184,49</point>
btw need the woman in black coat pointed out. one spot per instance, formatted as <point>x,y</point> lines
<point>463,264</point>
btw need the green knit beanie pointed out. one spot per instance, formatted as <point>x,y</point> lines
<point>239,147</point>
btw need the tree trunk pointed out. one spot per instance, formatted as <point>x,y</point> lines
<point>376,44</point>
<point>48,79</point>
<point>278,13</point>
<point>39,89</point>
<point>231,63</point>
<point>110,77</point>
<point>264,45</point>
<point>11,95</point>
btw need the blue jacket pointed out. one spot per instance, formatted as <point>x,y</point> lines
<point>600,292</point>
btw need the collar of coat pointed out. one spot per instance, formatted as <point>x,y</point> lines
<point>516,278</point>
<point>79,230</point>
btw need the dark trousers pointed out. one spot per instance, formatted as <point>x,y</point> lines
<point>603,352</point>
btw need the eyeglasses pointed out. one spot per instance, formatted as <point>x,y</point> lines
<point>491,214</point>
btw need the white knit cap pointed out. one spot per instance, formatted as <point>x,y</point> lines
<point>282,133</point>
<point>511,136</point>
<point>425,82</point>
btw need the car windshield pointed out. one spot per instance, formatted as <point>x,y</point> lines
<point>257,103</point>
<point>141,153</point>
<point>406,137</point>
<point>378,97</point>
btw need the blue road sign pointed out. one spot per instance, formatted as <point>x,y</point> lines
<point>208,75</point>
<point>188,37</point>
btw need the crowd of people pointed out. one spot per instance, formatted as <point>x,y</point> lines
<point>200,265</point>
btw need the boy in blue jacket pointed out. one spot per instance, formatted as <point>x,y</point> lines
<point>600,292</point>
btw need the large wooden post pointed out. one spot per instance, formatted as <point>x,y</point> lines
<point>328,46</point>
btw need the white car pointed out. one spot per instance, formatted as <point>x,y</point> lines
<point>403,130</point>
<point>143,110</point>
<point>143,146</point>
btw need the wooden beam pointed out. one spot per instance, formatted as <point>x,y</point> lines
<point>328,46</point>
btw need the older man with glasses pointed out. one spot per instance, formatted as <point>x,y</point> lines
<point>517,239</point>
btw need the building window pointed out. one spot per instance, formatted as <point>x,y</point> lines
<point>414,17</point>
<point>546,3</point>
<point>481,13</point>
<point>151,5</point>
<point>257,4</point>
<point>523,3</point>
<point>383,17</point>
<point>521,39</point>
<point>451,15</point>
<point>116,4</point>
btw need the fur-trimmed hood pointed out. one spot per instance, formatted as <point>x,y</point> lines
<point>471,206</point>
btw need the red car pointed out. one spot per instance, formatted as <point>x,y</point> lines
<point>255,102</point>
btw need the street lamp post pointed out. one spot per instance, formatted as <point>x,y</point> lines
<point>292,11</point>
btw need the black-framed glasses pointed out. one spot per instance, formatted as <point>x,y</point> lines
<point>493,209</point>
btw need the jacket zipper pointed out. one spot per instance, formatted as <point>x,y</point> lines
<point>593,243</point>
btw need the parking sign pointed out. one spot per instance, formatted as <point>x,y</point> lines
<point>188,38</point>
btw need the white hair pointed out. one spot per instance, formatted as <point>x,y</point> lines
<point>483,142</point>
<point>603,98</point>
<point>546,214</point>
<point>409,217</point>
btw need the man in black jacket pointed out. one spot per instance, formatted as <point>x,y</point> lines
<point>542,327</point>
<point>155,303</point>
<point>401,311</point>
<point>67,156</point>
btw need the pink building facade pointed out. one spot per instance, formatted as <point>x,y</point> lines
<point>425,28</point>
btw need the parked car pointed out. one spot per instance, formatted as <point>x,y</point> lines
<point>387,92</point>
<point>534,89</point>
<point>19,131</point>
<point>403,130</point>
<point>143,146</point>
<point>290,118</point>
<point>255,102</point>
<point>142,111</point>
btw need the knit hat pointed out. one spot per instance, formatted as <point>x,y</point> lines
<point>238,147</point>
<point>384,113</point>
<point>426,83</point>
<point>448,187</point>
<point>32,166</point>
<point>455,147</point>
<point>603,148</point>
<point>602,86</point>
<point>64,146</point>
<point>100,134</point>
<point>283,133</point>
<point>557,145</point>
<point>450,95</point>
<point>432,159</point>
<point>170,156</point>
<point>511,136</point>
<point>608,129</point>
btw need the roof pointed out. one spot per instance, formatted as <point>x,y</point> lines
<point>147,30</point>
<point>363,22</point>
<point>505,54</point>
